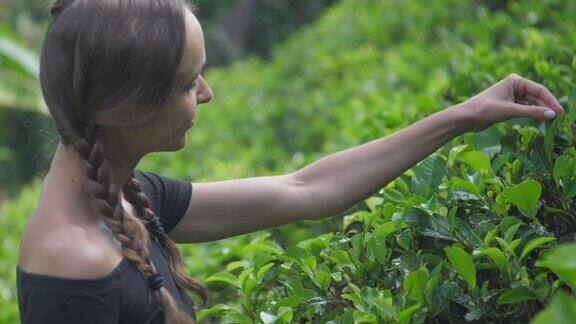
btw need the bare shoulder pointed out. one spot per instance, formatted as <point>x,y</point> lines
<point>67,252</point>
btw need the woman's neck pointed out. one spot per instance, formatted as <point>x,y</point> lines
<point>65,187</point>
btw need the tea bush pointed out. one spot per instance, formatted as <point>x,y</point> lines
<point>481,230</point>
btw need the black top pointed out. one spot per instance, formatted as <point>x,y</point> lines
<point>122,296</point>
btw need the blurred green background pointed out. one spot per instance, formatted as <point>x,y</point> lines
<point>233,30</point>
<point>293,81</point>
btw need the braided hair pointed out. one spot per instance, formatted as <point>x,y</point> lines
<point>91,74</point>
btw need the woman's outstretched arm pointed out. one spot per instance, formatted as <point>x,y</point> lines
<point>323,188</point>
<point>338,181</point>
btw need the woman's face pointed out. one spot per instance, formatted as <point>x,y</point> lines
<point>168,131</point>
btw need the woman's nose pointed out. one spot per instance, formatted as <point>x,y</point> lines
<point>205,93</point>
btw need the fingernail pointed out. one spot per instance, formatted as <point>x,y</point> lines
<point>549,114</point>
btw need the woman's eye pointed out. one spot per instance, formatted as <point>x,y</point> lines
<point>193,84</point>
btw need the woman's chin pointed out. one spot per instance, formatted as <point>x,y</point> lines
<point>180,141</point>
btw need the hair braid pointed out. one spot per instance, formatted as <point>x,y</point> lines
<point>125,227</point>
<point>134,194</point>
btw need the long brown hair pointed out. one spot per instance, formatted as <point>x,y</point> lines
<point>113,62</point>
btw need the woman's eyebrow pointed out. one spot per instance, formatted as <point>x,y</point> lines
<point>200,69</point>
<point>182,75</point>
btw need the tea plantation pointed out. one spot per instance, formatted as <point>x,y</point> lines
<point>483,230</point>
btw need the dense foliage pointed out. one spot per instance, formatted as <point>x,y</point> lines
<point>481,230</point>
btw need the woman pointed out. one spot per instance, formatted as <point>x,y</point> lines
<point>123,79</point>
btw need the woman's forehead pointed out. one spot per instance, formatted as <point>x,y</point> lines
<point>194,51</point>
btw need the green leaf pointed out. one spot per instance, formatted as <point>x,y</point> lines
<point>464,233</point>
<point>218,309</point>
<point>463,263</point>
<point>534,244</point>
<point>516,295</point>
<point>509,235</point>
<point>224,277</point>
<point>357,247</point>
<point>504,245</point>
<point>294,287</point>
<point>559,167</point>
<point>361,317</point>
<point>442,296</point>
<point>428,174</point>
<point>406,314</point>
<point>290,301</point>
<point>324,279</point>
<point>387,211</point>
<point>378,301</point>
<point>457,183</point>
<point>388,228</point>
<point>476,159</point>
<point>236,317</point>
<point>516,168</point>
<point>430,288</point>
<point>301,256</point>
<point>285,313</point>
<point>564,173</point>
<point>490,236</point>
<point>549,138</point>
<point>377,247</point>
<point>414,284</point>
<point>262,271</point>
<point>246,281</point>
<point>454,153</point>
<point>372,202</point>
<point>514,244</point>
<point>560,310</point>
<point>562,262</point>
<point>451,217</point>
<point>496,256</point>
<point>427,224</point>
<point>404,239</point>
<point>269,247</point>
<point>525,196</point>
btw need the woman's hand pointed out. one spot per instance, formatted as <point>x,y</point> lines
<point>513,96</point>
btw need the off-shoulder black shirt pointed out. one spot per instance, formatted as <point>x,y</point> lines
<point>120,297</point>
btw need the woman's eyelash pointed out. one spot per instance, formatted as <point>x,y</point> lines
<point>192,85</point>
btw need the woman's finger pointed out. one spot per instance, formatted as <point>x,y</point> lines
<point>531,100</point>
<point>535,112</point>
<point>526,88</point>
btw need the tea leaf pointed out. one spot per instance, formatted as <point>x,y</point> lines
<point>562,262</point>
<point>525,196</point>
<point>561,310</point>
<point>496,256</point>
<point>476,159</point>
<point>534,244</point>
<point>224,277</point>
<point>414,284</point>
<point>549,138</point>
<point>516,295</point>
<point>443,295</point>
<point>462,261</point>
<point>428,173</point>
